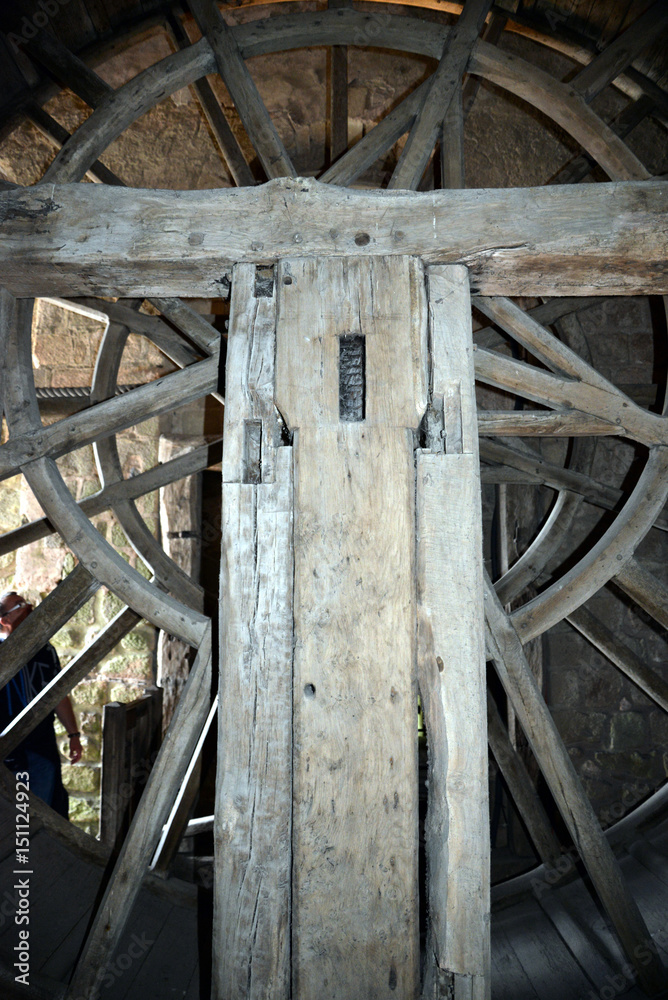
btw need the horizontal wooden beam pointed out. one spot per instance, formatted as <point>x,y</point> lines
<point>586,239</point>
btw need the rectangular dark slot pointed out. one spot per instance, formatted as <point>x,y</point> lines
<point>252,469</point>
<point>352,378</point>
<point>264,282</point>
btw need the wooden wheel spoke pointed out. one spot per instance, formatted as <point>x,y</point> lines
<point>505,649</point>
<point>606,642</point>
<point>110,416</point>
<point>99,558</point>
<point>645,589</point>
<point>444,84</point>
<point>565,394</point>
<point>128,489</point>
<point>76,670</point>
<point>521,787</point>
<point>236,76</point>
<point>225,139</point>
<point>604,559</point>
<point>546,543</point>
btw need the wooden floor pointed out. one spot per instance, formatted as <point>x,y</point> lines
<point>548,943</point>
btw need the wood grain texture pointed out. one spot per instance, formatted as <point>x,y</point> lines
<point>354,916</point>
<point>605,558</point>
<point>120,241</point>
<point>445,83</point>
<point>239,82</point>
<point>451,651</point>
<point>252,827</point>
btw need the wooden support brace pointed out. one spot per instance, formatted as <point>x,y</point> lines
<point>451,654</point>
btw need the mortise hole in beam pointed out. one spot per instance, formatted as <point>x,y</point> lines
<point>252,456</point>
<point>352,378</point>
<point>264,282</point>
<point>309,690</point>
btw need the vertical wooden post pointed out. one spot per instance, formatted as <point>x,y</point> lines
<point>451,654</point>
<point>251,933</point>
<point>351,384</point>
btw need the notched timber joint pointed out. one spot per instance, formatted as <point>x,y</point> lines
<point>264,282</point>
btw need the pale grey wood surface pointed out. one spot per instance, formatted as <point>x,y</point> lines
<point>646,589</point>
<point>451,651</point>
<point>92,238</point>
<point>354,912</point>
<point>253,815</point>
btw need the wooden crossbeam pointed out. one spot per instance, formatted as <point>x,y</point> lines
<point>89,239</point>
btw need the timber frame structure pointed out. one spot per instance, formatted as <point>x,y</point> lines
<point>352,570</point>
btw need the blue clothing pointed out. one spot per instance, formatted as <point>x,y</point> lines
<point>38,752</point>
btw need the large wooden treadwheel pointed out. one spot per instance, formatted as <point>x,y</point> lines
<point>574,400</point>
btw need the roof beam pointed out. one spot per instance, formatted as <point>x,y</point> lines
<point>79,239</point>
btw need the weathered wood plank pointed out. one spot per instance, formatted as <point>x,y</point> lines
<point>252,826</point>
<point>247,101</point>
<point>445,82</point>
<point>505,649</point>
<point>451,651</point>
<point>542,423</point>
<point>97,240</point>
<point>354,916</point>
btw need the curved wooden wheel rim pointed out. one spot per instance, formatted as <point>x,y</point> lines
<point>115,112</point>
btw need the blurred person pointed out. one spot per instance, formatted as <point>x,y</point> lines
<point>38,752</point>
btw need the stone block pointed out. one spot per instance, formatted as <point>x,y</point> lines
<point>125,693</point>
<point>579,726</point>
<point>81,778</point>
<point>90,693</point>
<point>139,641</point>
<point>628,731</point>
<point>10,507</point>
<point>111,605</point>
<point>564,687</point>
<point>84,812</point>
